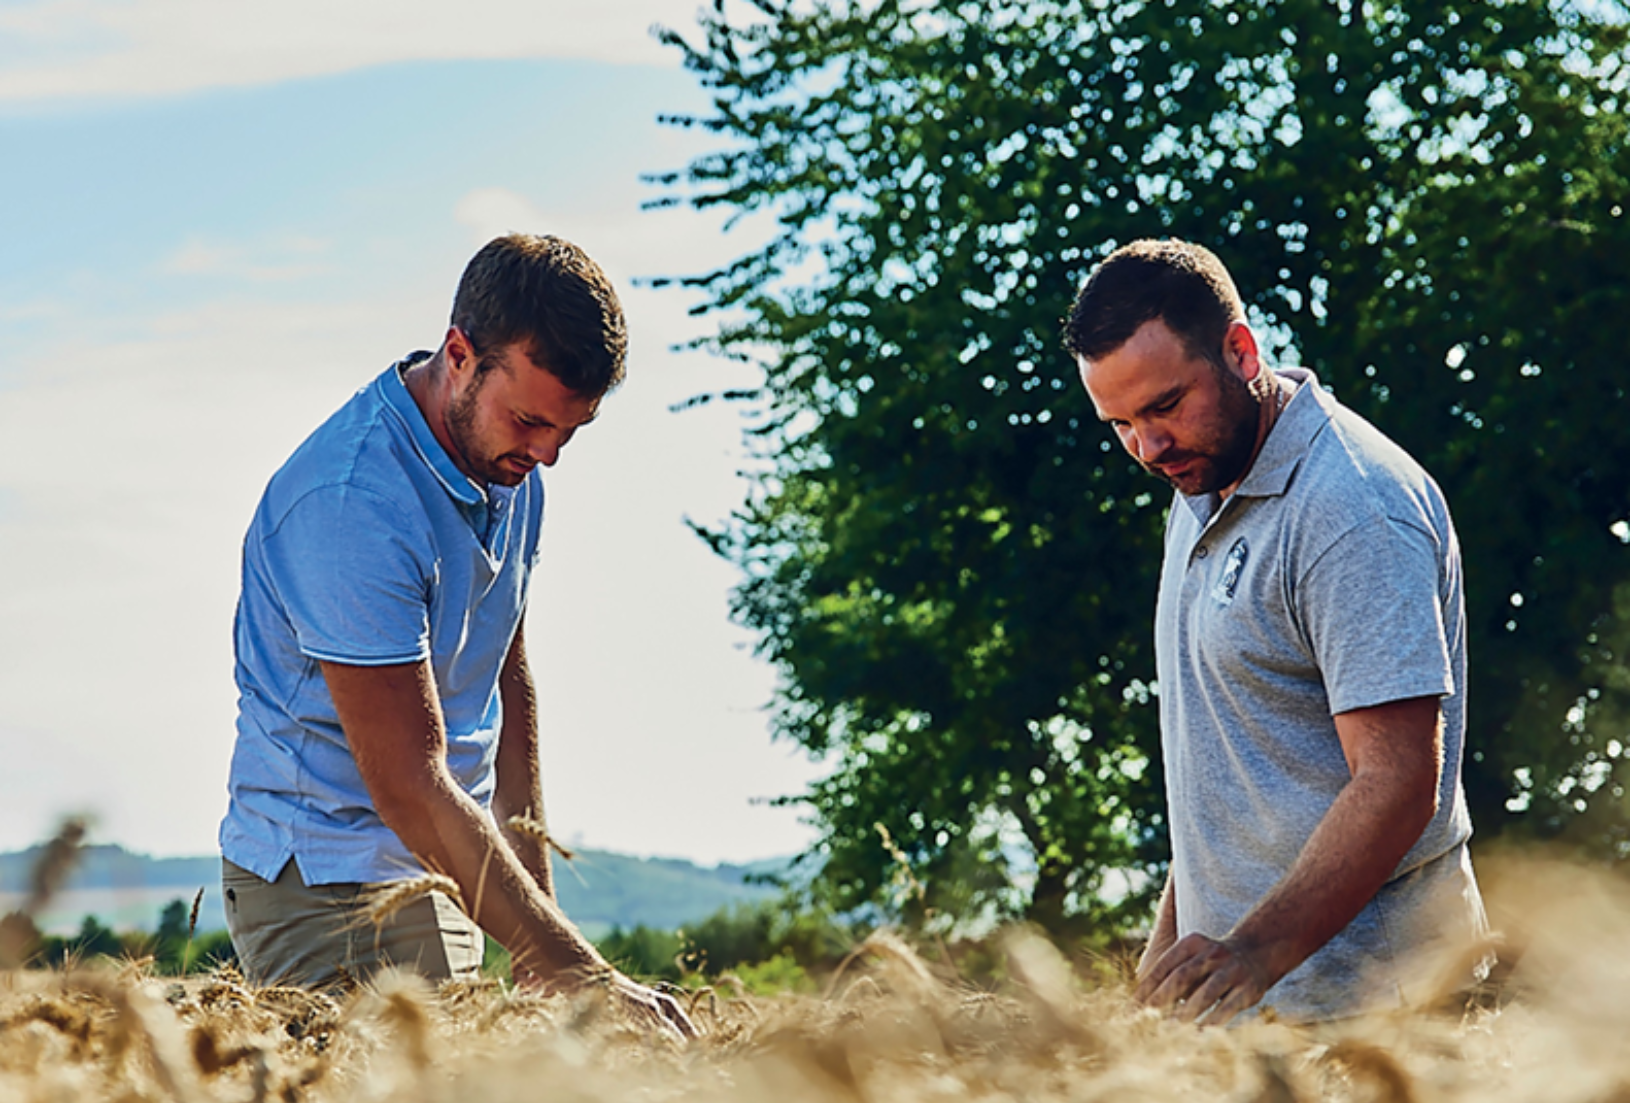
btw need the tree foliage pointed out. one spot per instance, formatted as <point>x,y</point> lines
<point>766,941</point>
<point>174,949</point>
<point>945,557</point>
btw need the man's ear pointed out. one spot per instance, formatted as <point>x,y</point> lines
<point>1240,349</point>
<point>460,352</point>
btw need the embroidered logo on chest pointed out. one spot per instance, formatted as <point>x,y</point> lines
<point>1222,592</point>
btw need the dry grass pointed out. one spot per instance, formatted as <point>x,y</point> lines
<point>17,929</point>
<point>386,901</point>
<point>534,828</point>
<point>890,1027</point>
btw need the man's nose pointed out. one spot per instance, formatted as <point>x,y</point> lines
<point>544,448</point>
<point>1148,443</point>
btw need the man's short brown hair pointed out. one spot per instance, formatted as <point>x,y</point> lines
<point>1182,284</point>
<point>547,292</point>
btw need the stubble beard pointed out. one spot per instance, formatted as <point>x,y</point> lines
<point>461,431</point>
<point>1222,459</point>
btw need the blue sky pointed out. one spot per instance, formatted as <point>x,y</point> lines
<point>211,233</point>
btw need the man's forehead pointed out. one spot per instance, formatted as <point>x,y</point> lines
<point>538,392</point>
<point>1134,378</point>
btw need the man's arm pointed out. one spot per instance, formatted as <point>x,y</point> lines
<point>520,787</point>
<point>1395,755</point>
<point>1164,933</point>
<point>393,723</point>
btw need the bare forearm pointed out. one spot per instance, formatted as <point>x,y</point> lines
<point>519,791</point>
<point>519,796</point>
<point>1164,932</point>
<point>448,832</point>
<point>393,723</point>
<point>1353,852</point>
<point>528,843</point>
<point>1394,758</point>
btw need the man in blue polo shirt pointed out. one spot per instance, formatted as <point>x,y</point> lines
<point>1310,644</point>
<point>387,721</point>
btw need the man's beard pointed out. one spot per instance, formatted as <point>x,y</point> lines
<point>461,431</point>
<point>1223,457</point>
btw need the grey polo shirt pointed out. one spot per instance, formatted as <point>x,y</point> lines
<point>1329,581</point>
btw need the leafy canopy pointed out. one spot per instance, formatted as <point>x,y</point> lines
<point>944,555</point>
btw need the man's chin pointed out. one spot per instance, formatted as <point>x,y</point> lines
<point>1189,479</point>
<point>502,474</point>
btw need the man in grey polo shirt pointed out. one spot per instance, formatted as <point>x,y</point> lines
<point>387,722</point>
<point>1310,649</point>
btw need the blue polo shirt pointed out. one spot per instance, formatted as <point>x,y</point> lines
<point>369,547</point>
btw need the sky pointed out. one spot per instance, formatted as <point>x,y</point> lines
<point>216,223</point>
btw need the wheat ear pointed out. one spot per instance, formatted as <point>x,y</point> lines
<point>526,825</point>
<point>388,899</point>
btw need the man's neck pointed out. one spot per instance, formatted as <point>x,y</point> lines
<point>1270,392</point>
<point>426,383</point>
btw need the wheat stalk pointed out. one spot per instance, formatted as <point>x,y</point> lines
<point>55,864</point>
<point>385,901</point>
<point>192,929</point>
<point>18,932</point>
<point>535,829</point>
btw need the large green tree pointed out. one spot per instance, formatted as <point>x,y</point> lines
<point>945,556</point>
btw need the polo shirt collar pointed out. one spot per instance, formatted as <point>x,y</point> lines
<point>391,385</point>
<point>1306,412</point>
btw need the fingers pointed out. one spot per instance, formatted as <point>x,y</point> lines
<point>656,1009</point>
<point>658,1019</point>
<point>650,1012</point>
<point>1200,980</point>
<point>1179,972</point>
<point>1154,976</point>
<point>1239,999</point>
<point>677,1018</point>
<point>1214,988</point>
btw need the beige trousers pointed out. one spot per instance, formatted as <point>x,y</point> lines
<point>286,932</point>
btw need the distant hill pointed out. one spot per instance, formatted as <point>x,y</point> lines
<point>600,890</point>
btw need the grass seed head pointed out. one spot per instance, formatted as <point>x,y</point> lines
<point>535,829</point>
<point>384,902</point>
<point>400,1001</point>
<point>55,863</point>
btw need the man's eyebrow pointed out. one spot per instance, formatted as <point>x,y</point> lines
<point>527,415</point>
<point>1175,391</point>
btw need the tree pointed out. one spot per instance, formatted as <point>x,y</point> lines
<point>948,561</point>
<point>95,939</point>
<point>173,923</point>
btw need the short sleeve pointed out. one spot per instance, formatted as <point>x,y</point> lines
<point>1370,608</point>
<point>352,577</point>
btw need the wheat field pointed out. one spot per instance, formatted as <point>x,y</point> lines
<point>890,1027</point>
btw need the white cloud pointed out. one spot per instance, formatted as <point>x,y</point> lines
<point>490,212</point>
<point>261,262</point>
<point>631,244</point>
<point>69,49</point>
<point>131,464</point>
<point>34,311</point>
